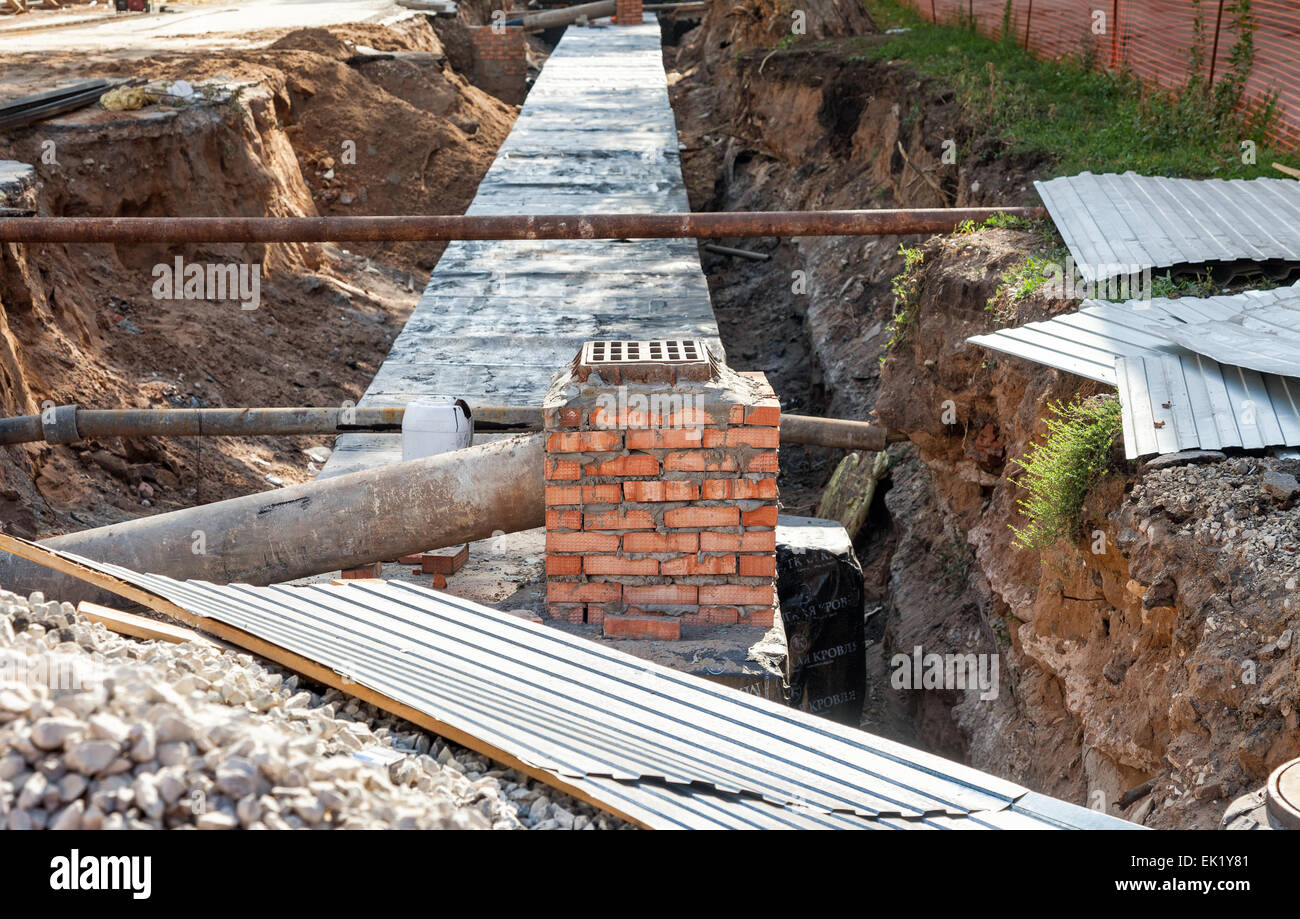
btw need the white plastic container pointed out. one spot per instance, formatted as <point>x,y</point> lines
<point>435,424</point>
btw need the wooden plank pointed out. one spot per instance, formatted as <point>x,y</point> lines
<point>141,626</point>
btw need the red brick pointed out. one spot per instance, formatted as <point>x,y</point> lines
<point>735,437</point>
<point>616,520</point>
<point>688,418</point>
<point>661,491</point>
<point>716,489</point>
<point>713,615</point>
<point>581,542</point>
<point>655,628</point>
<point>563,520</point>
<point>564,564</point>
<point>766,413</point>
<point>373,570</point>
<point>702,461</point>
<point>665,438</point>
<point>583,494</point>
<point>583,592</point>
<point>760,517</point>
<point>626,418</point>
<point>635,464</point>
<point>693,564</point>
<point>754,488</point>
<point>763,462</point>
<point>613,564</point>
<point>737,594</point>
<point>439,580</point>
<point>754,541</point>
<point>758,617</point>
<point>564,611</point>
<point>665,594</point>
<point>596,613</point>
<point>661,542</point>
<point>563,469</point>
<point>584,441</point>
<point>563,494</point>
<point>758,566</point>
<point>690,517</point>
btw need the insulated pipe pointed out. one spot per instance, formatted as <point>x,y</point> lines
<point>342,522</point>
<point>718,224</point>
<point>67,424</point>
<point>552,18</point>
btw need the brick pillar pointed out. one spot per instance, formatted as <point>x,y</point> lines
<point>500,61</point>
<point>661,494</point>
<point>628,13</point>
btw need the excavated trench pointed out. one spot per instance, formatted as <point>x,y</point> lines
<point>1121,666</point>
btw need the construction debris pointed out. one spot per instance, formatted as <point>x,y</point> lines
<point>851,490</point>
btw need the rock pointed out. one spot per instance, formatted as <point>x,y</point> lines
<point>72,785</point>
<point>216,820</point>
<point>238,778</point>
<point>11,764</point>
<point>1183,458</point>
<point>145,745</point>
<point>50,733</point>
<point>33,790</point>
<point>1280,487</point>
<point>107,726</point>
<point>69,818</point>
<point>91,756</point>
<point>147,796</point>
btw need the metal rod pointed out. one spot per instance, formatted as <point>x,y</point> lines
<point>70,424</point>
<point>1214,54</point>
<point>737,253</point>
<point>462,227</point>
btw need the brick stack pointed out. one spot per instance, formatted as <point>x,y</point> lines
<point>628,13</point>
<point>661,502</point>
<point>500,61</point>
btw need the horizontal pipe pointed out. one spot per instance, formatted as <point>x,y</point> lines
<point>477,227</point>
<point>89,424</point>
<point>326,525</point>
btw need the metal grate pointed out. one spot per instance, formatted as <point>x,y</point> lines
<point>657,361</point>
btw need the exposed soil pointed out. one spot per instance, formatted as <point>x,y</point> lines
<point>1118,667</point>
<point>305,134</point>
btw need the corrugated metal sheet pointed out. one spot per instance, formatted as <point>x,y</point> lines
<point>664,748</point>
<point>1161,355</point>
<point>1111,222</point>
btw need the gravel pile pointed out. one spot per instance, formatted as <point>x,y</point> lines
<point>1244,507</point>
<point>99,731</point>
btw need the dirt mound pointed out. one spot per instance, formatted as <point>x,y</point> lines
<point>317,41</point>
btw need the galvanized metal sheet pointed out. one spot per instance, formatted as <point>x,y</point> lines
<point>665,748</point>
<point>1191,372</point>
<point>1114,224</point>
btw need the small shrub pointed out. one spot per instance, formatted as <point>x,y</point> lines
<point>906,285</point>
<point>1059,472</point>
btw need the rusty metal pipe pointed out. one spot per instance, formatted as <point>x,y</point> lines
<point>338,523</point>
<point>122,230</point>
<point>67,424</point>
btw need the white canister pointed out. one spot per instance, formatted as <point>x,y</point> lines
<point>435,424</point>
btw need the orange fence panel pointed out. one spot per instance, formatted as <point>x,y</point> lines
<point>1152,39</point>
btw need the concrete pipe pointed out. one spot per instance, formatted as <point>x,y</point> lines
<point>342,522</point>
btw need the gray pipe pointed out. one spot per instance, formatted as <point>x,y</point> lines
<point>342,522</point>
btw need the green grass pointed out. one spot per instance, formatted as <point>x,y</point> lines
<point>1059,471</point>
<point>1076,116</point>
